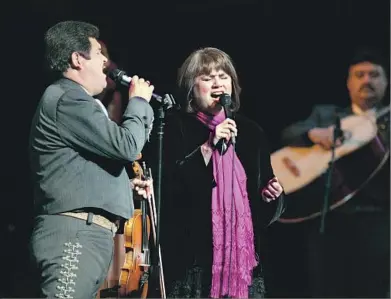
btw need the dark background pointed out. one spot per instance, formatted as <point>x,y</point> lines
<point>289,56</point>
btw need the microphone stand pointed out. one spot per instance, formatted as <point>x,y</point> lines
<point>320,243</point>
<point>337,134</point>
<point>167,102</point>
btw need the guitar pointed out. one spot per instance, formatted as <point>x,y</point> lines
<point>300,169</point>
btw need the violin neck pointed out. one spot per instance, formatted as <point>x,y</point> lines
<point>144,236</point>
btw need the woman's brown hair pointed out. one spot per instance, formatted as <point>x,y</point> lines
<point>202,62</point>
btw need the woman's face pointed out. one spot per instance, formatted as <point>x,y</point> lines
<point>207,87</point>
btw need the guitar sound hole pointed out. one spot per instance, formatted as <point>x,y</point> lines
<point>291,166</point>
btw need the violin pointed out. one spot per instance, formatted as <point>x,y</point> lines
<point>135,272</point>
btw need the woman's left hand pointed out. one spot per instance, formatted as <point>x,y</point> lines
<point>272,190</point>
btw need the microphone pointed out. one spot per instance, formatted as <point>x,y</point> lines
<point>338,133</point>
<point>225,101</point>
<point>120,76</point>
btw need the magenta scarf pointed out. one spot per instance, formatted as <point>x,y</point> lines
<point>232,263</point>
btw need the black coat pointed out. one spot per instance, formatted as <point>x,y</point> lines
<point>186,228</point>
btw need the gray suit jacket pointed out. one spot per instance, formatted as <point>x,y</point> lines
<point>78,156</point>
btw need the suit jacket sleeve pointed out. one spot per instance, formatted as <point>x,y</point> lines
<point>83,126</point>
<point>296,134</point>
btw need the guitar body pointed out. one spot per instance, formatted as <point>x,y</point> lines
<point>301,171</point>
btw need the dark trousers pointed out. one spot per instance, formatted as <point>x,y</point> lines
<point>352,258</point>
<point>70,257</point>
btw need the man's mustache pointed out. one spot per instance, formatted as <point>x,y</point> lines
<point>367,86</point>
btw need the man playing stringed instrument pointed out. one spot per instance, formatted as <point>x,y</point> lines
<point>355,246</point>
<point>367,83</point>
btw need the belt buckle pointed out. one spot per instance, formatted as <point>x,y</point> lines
<point>113,229</point>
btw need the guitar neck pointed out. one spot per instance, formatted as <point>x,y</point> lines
<point>383,111</point>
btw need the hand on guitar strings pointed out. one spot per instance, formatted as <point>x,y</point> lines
<point>272,190</point>
<point>325,137</point>
<point>142,187</point>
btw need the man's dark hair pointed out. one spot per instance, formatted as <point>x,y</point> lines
<point>64,38</point>
<point>368,54</point>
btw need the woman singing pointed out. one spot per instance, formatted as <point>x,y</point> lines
<point>217,194</point>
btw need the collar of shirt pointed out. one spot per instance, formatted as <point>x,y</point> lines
<point>103,107</point>
<point>357,110</point>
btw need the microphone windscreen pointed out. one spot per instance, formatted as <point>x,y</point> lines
<point>114,74</point>
<point>225,100</point>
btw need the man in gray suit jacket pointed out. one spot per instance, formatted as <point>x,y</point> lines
<point>82,192</point>
<point>352,259</point>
